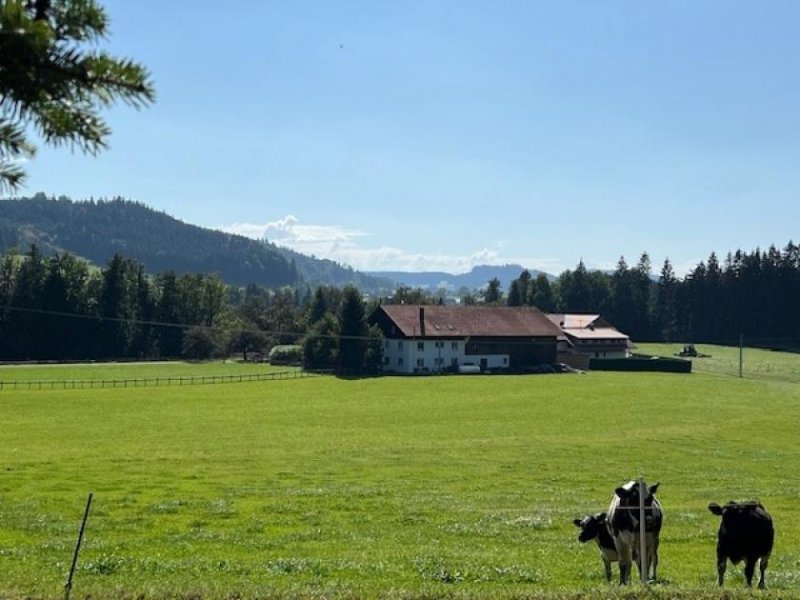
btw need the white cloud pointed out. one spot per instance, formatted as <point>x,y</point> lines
<point>346,246</point>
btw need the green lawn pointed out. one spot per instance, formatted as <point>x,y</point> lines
<point>398,487</point>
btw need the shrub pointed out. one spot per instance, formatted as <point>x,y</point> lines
<point>286,355</point>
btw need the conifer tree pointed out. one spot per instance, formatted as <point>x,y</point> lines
<point>49,79</point>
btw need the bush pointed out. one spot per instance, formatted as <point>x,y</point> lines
<point>286,355</point>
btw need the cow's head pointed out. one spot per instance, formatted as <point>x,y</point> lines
<point>628,494</point>
<point>590,526</point>
<point>735,513</point>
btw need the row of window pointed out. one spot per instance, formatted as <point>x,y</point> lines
<point>421,345</point>
<point>438,361</point>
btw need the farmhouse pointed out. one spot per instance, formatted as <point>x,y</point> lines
<point>589,336</point>
<point>425,339</point>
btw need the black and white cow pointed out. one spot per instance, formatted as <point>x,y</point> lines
<point>593,527</point>
<point>745,532</point>
<point>623,523</point>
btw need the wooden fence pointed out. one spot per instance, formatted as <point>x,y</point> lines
<point>80,384</point>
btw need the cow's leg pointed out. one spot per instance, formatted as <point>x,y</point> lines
<point>722,562</point>
<point>749,569</point>
<point>625,565</point>
<point>762,566</point>
<point>654,559</point>
<point>607,565</point>
<point>637,558</point>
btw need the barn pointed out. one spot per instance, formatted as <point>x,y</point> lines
<point>437,338</point>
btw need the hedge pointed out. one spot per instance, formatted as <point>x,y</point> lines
<point>641,363</point>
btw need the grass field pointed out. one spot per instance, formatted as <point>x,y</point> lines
<point>390,487</point>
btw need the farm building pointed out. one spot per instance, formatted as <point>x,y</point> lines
<point>588,336</point>
<point>425,339</point>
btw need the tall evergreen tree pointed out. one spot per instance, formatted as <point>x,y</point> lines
<point>27,336</point>
<point>541,294</point>
<point>515,296</point>
<point>492,294</point>
<point>353,330</point>
<point>525,291</point>
<point>665,308</point>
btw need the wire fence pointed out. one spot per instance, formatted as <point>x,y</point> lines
<point>80,384</point>
<point>766,360</point>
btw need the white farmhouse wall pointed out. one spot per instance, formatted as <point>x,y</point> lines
<point>410,356</point>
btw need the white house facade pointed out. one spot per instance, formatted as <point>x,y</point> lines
<point>429,356</point>
<point>432,339</point>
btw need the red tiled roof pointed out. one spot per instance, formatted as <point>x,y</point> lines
<point>473,321</point>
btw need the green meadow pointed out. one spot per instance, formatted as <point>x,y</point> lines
<point>395,487</point>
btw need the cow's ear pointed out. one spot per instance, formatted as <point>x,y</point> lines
<point>576,522</point>
<point>621,492</point>
<point>654,487</point>
<point>715,508</point>
<point>601,518</point>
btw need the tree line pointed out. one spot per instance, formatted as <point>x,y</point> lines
<point>752,294</point>
<point>59,307</point>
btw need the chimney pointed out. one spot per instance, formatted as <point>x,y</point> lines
<point>422,321</point>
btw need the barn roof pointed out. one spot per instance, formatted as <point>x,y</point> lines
<point>466,321</point>
<point>586,327</point>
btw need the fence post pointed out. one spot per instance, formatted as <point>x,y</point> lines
<point>68,586</point>
<point>741,353</point>
<point>643,571</point>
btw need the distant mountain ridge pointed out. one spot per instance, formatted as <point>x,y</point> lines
<point>96,230</point>
<point>475,279</point>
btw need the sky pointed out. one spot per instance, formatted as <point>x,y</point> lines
<point>422,135</point>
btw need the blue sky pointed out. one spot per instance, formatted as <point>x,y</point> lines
<point>438,135</point>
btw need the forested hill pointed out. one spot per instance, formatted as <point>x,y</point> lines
<point>96,230</point>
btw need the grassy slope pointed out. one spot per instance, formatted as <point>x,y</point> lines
<point>392,486</point>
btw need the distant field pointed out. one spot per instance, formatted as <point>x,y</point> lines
<point>392,487</point>
<point>132,370</point>
<point>724,360</point>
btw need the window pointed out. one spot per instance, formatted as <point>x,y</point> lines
<point>454,362</point>
<point>386,360</point>
<point>400,361</point>
<point>454,345</point>
<point>400,345</point>
<point>420,345</point>
<point>505,360</point>
<point>420,362</point>
<point>387,344</point>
